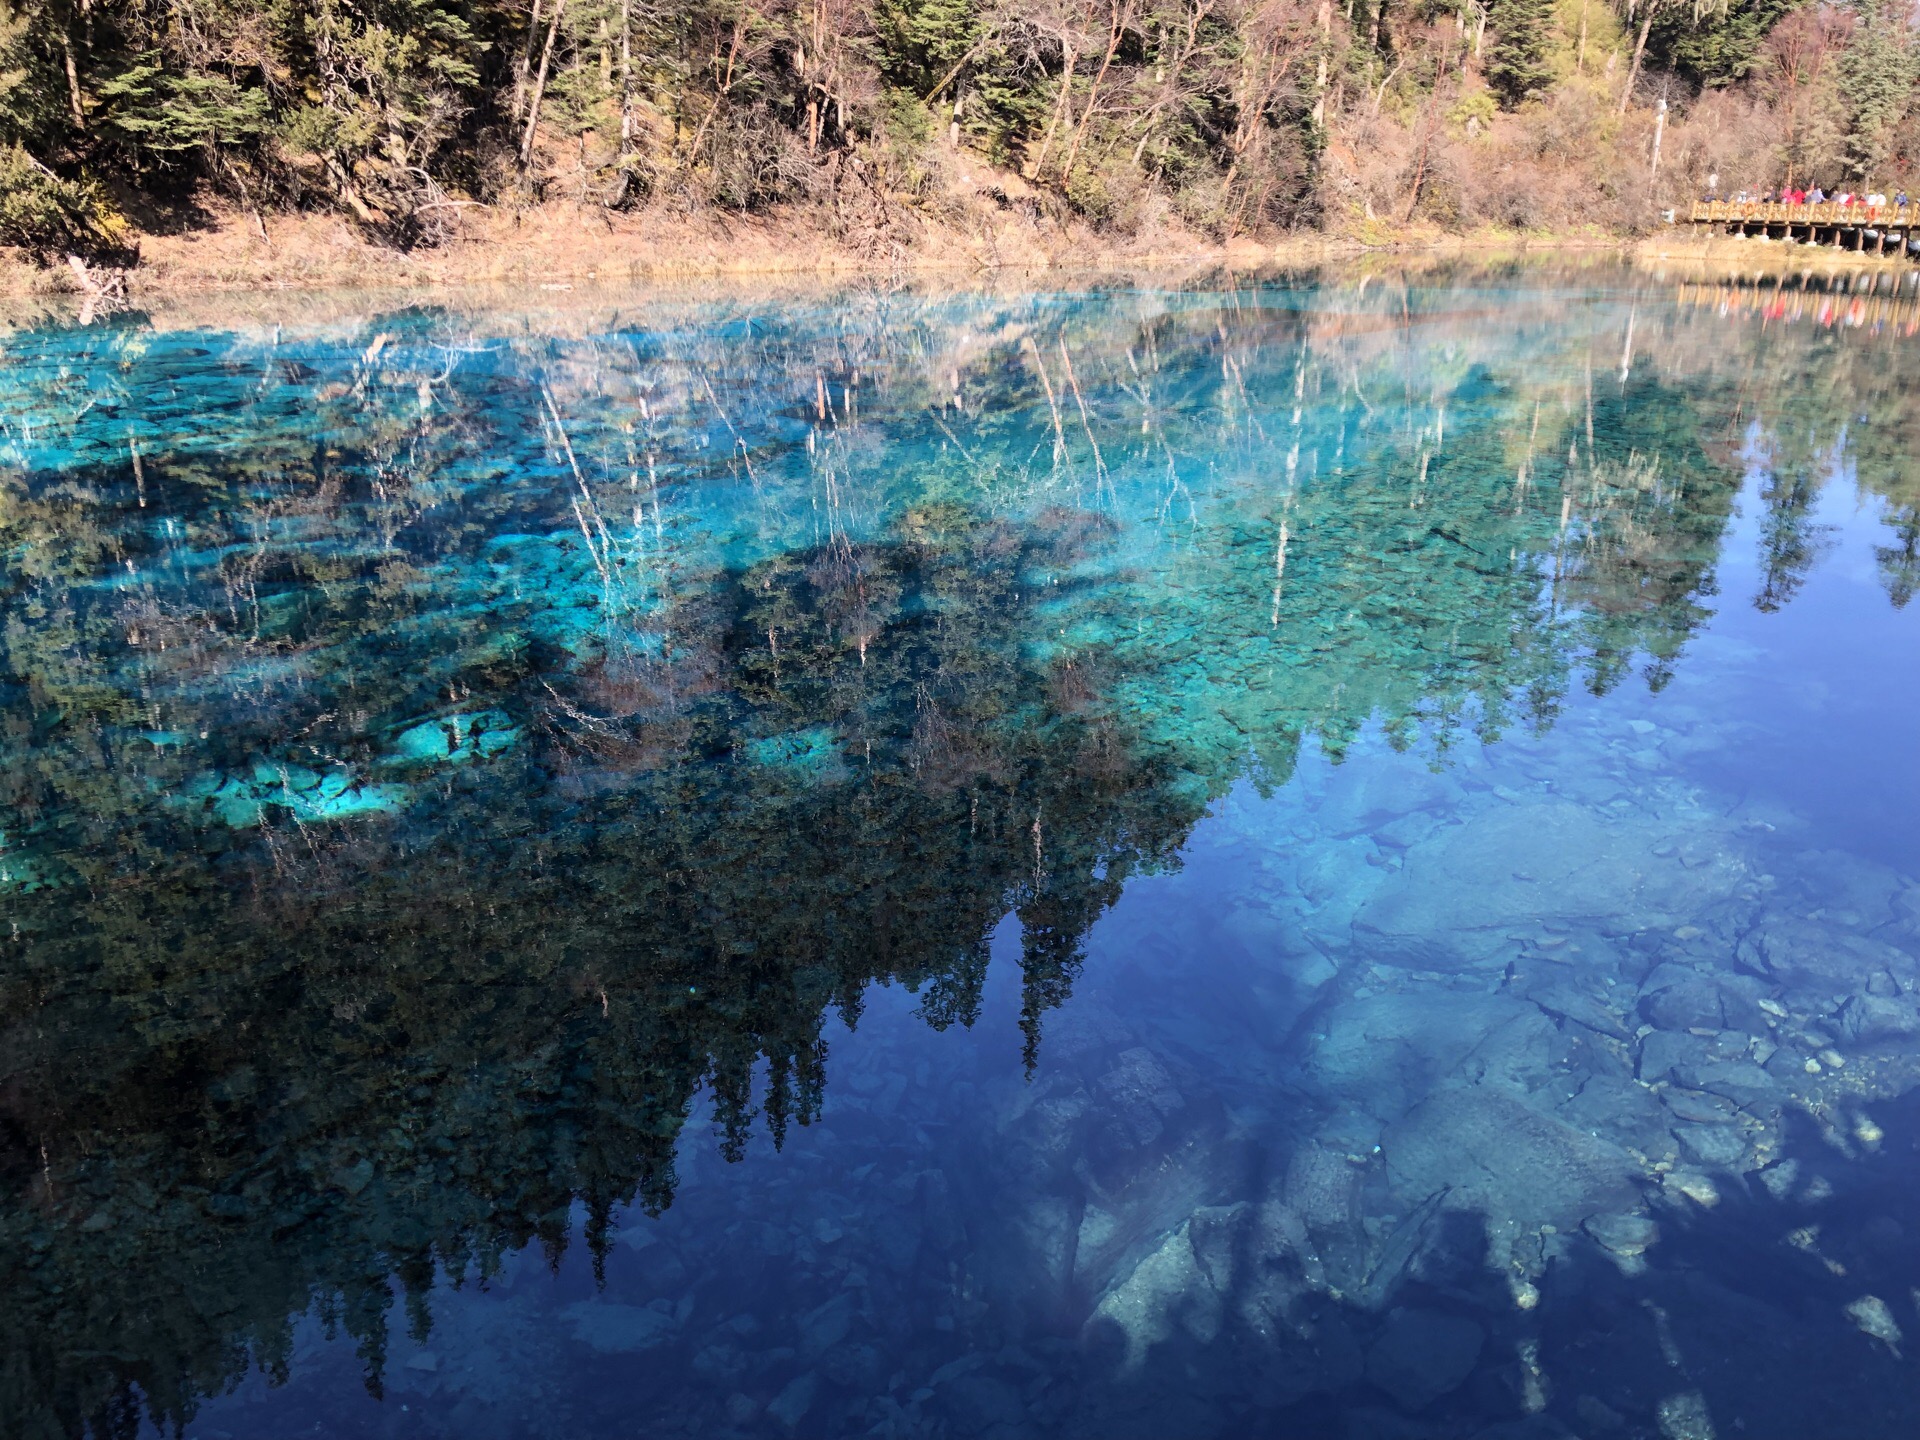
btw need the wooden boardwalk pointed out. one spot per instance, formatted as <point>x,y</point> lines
<point>1875,229</point>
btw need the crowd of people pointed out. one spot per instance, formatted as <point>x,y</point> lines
<point>1790,195</point>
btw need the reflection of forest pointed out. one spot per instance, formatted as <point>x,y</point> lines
<point>1836,403</point>
<point>814,647</point>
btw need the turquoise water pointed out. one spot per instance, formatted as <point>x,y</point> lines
<point>1282,856</point>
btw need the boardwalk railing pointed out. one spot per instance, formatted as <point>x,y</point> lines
<point>1856,225</point>
<point>1826,213</point>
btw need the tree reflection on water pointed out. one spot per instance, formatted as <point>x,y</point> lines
<point>441,747</point>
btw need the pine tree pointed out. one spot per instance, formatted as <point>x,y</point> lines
<point>1877,75</point>
<point>1519,59</point>
<point>921,41</point>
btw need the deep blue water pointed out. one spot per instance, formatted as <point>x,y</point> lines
<point>1296,857</point>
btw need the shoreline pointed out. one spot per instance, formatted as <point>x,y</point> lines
<point>1732,257</point>
<point>560,248</point>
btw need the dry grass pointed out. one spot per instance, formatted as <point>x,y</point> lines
<point>983,221</point>
<point>984,225</point>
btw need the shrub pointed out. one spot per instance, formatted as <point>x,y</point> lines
<point>46,213</point>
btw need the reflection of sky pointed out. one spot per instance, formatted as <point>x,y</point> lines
<point>1819,696</point>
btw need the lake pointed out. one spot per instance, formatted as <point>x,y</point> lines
<point>1237,856</point>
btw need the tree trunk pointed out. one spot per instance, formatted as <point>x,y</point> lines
<point>539,86</point>
<point>523,64</point>
<point>1053,121</point>
<point>626,86</point>
<point>73,84</point>
<point>1639,50</point>
<point>1120,18</point>
<point>1320,75</point>
<point>1419,173</point>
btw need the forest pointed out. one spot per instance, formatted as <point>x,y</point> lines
<point>1209,118</point>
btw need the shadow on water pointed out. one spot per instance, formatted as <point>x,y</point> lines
<point>442,763</point>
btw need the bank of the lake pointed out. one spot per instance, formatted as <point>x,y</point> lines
<point>562,246</point>
<point>559,245</point>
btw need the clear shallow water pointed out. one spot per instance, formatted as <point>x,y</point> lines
<point>1300,858</point>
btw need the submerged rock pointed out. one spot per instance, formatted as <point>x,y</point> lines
<point>1871,1315</point>
<point>1699,1108</point>
<point>1622,1111</point>
<point>1511,866</point>
<point>1689,1004</point>
<point>1691,1185</point>
<point>1718,1146</point>
<point>1816,956</point>
<point>613,1329</point>
<point>1422,1355</point>
<point>1740,1081</point>
<point>1141,1096</point>
<point>1166,1293</point>
<point>1871,1019</point>
<point>1623,1234</point>
<point>1562,1001</point>
<point>1385,1052</point>
<point>1663,1052</point>
<point>1685,1417</point>
<point>825,1326</point>
<point>795,1399</point>
<point>1701,1003</point>
<point>1506,1159</point>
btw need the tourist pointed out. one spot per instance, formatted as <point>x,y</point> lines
<point>1817,196</point>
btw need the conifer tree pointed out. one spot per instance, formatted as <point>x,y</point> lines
<point>1519,58</point>
<point>1877,75</point>
<point>921,41</point>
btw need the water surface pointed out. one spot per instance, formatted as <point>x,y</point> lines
<point>1288,856</point>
